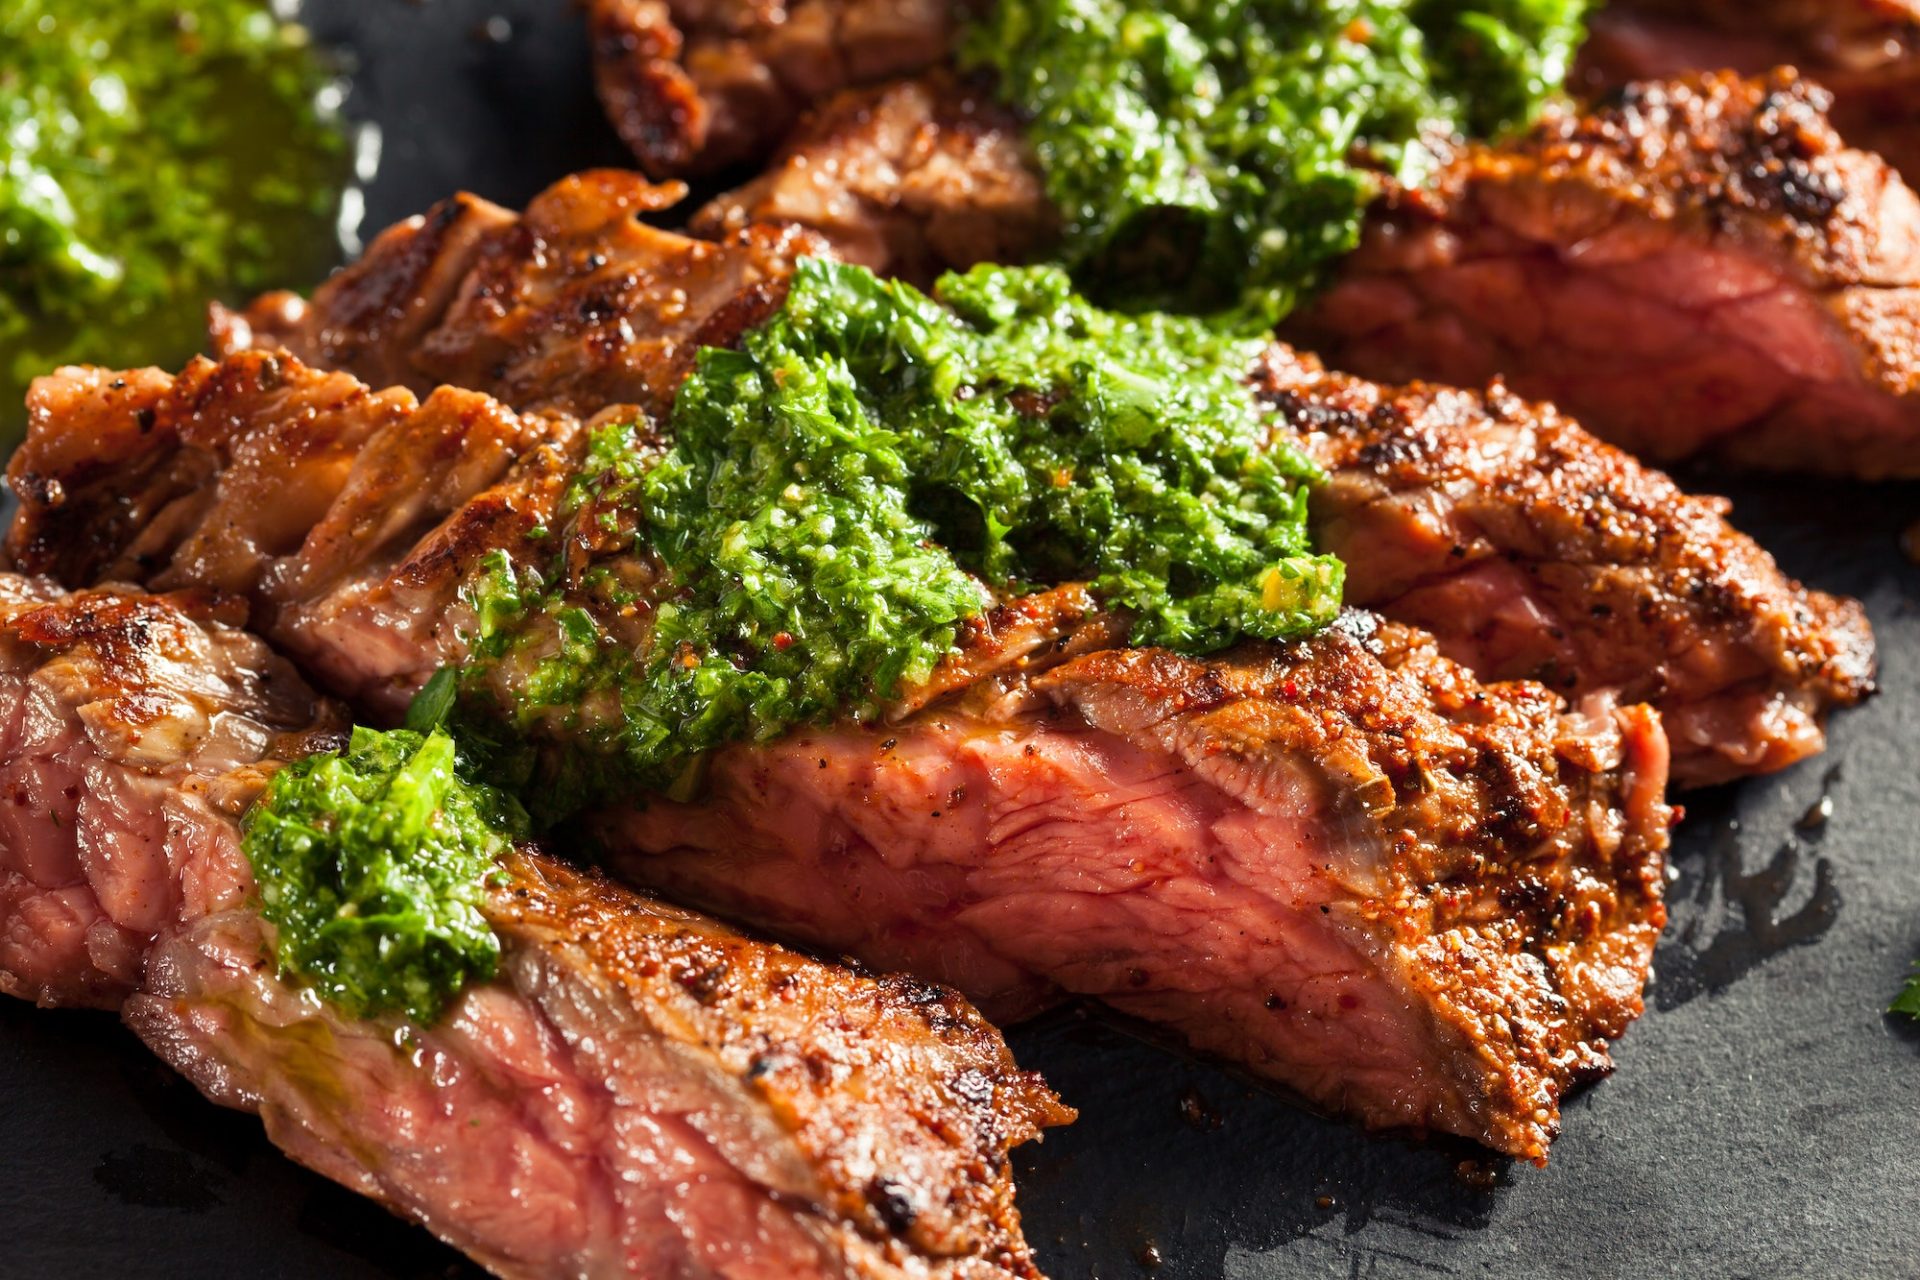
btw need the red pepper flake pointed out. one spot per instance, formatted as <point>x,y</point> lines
<point>783,640</point>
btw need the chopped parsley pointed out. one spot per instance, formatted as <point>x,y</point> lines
<point>373,865</point>
<point>1211,155</point>
<point>869,469</point>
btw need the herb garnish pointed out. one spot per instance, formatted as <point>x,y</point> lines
<point>373,865</point>
<point>870,468</point>
<point>1213,154</point>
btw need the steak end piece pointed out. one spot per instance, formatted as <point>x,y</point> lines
<point>694,86</point>
<point>1697,266</point>
<point>639,1091</point>
<point>1342,864</point>
<point>907,179</point>
<point>1532,549</point>
<point>574,304</point>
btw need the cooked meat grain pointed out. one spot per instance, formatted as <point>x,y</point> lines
<point>1344,864</point>
<point>639,1092</point>
<point>697,85</point>
<point>1699,267</point>
<point>1867,52</point>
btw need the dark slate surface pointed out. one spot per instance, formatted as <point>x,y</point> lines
<point>1763,1121</point>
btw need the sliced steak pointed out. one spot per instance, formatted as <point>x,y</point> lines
<point>908,179</point>
<point>1526,546</point>
<point>574,304</point>
<point>697,85</point>
<point>1533,550</point>
<point>1342,864</point>
<point>639,1092</point>
<point>1700,266</point>
<point>1867,52</point>
<point>1453,887</point>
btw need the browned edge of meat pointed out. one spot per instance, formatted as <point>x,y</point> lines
<point>640,1091</point>
<point>1342,864</point>
<point>1533,550</point>
<point>1698,266</point>
<point>1070,769</point>
<point>907,179</point>
<point>575,304</point>
<point>233,474</point>
<point>694,86</point>
<point>1866,51</point>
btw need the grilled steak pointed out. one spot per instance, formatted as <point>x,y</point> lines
<point>1342,863</point>
<point>907,178</point>
<point>640,1091</point>
<point>696,85</point>
<point>574,304</point>
<point>1664,603</point>
<point>1699,267</point>
<point>1532,549</point>
<point>1867,52</point>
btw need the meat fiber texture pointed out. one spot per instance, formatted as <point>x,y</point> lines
<point>1699,267</point>
<point>1344,863</point>
<point>639,1092</point>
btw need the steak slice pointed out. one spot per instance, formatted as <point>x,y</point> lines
<point>1867,52</point>
<point>1489,861</point>
<point>1533,550</point>
<point>1699,266</point>
<point>574,304</point>
<point>640,1091</point>
<point>1342,864</point>
<point>1526,546</point>
<point>908,179</point>
<point>696,85</point>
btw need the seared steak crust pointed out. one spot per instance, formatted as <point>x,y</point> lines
<point>1867,52</point>
<point>574,304</point>
<point>697,85</point>
<point>1699,266</point>
<point>1533,550</point>
<point>640,1091</point>
<point>908,179</point>
<point>1342,863</point>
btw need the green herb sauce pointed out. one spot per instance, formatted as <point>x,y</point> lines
<point>1216,154</point>
<point>870,468</point>
<point>153,154</point>
<point>373,865</point>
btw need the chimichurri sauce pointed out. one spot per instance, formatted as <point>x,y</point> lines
<point>1214,155</point>
<point>870,468</point>
<point>153,154</point>
<point>374,864</point>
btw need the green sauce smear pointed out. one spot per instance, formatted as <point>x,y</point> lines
<point>872,467</point>
<point>153,154</point>
<point>1212,155</point>
<point>373,865</point>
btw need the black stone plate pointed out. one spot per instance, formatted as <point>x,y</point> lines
<point>1765,1119</point>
